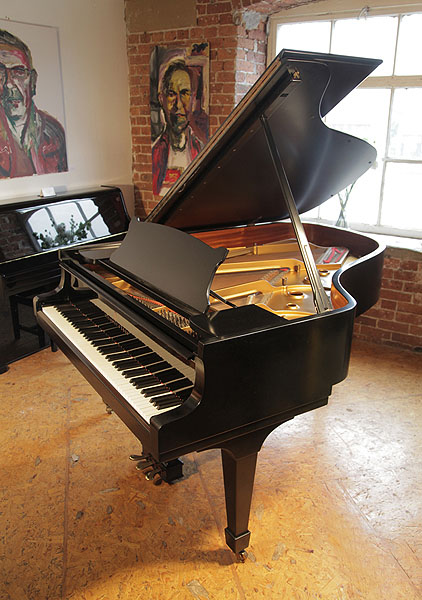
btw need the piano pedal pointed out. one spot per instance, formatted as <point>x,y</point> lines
<point>152,473</point>
<point>138,457</point>
<point>158,472</point>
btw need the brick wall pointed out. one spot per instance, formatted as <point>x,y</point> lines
<point>396,319</point>
<point>15,240</point>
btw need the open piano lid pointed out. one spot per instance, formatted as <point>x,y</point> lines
<point>232,182</point>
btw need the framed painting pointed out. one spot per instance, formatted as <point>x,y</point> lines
<point>32,134</point>
<point>179,101</point>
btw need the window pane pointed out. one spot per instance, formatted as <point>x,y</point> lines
<point>402,204</point>
<point>304,36</point>
<point>409,49</point>
<point>362,203</point>
<point>406,125</point>
<point>372,37</point>
<point>363,113</point>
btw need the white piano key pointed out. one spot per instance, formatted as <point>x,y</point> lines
<point>132,395</point>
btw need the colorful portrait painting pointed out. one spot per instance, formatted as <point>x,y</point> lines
<point>179,99</point>
<point>32,136</point>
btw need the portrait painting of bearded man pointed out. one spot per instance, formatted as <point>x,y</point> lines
<point>179,105</point>
<point>32,141</point>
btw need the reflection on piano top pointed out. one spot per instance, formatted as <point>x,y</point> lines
<point>31,226</point>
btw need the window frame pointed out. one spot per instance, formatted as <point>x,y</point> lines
<point>331,10</point>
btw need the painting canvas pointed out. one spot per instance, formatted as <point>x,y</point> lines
<point>179,99</point>
<point>32,134</point>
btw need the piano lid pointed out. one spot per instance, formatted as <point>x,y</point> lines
<point>232,182</point>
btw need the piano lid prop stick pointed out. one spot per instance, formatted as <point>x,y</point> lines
<point>321,300</point>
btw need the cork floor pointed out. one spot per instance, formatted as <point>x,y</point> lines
<point>336,511</point>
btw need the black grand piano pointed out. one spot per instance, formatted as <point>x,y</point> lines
<point>188,328</point>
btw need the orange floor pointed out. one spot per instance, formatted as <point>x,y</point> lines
<point>336,514</point>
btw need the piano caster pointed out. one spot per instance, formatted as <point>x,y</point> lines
<point>242,556</point>
<point>109,410</point>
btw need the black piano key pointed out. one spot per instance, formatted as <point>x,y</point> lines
<point>160,366</point>
<point>179,384</point>
<point>96,335</point>
<point>145,382</point>
<point>89,314</point>
<point>125,363</point>
<point>102,320</point>
<point>118,355</point>
<point>166,400</point>
<point>169,404</point>
<point>115,331</point>
<point>124,337</point>
<point>169,375</point>
<point>155,391</point>
<point>134,344</point>
<point>69,311</point>
<point>140,351</point>
<point>184,394</point>
<point>173,386</point>
<point>103,325</point>
<point>94,330</point>
<point>149,359</point>
<point>137,371</point>
<point>106,346</point>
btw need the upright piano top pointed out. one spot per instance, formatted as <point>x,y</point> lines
<point>32,226</point>
<point>233,182</point>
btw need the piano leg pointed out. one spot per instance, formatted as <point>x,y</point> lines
<point>239,462</point>
<point>239,475</point>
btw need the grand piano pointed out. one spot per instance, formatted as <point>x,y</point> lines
<point>222,315</point>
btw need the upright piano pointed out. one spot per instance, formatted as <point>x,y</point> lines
<point>222,315</point>
<point>32,229</point>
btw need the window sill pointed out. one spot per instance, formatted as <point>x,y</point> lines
<point>400,243</point>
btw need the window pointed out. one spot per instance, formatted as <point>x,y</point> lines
<point>386,109</point>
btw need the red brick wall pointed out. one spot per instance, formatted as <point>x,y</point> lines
<point>396,319</point>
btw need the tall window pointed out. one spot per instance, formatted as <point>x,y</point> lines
<point>386,110</point>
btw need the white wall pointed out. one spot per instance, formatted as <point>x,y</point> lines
<point>92,38</point>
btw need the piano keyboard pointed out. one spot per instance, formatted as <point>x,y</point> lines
<point>151,382</point>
